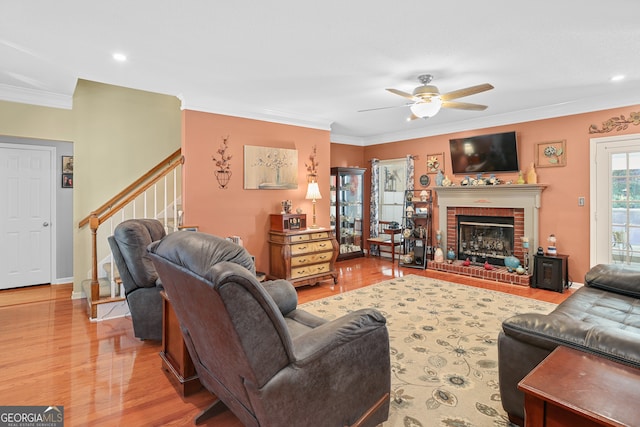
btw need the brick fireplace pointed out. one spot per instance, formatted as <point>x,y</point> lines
<point>454,212</point>
<point>520,202</point>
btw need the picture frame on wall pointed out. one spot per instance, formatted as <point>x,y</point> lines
<point>435,163</point>
<point>67,180</point>
<point>269,168</point>
<point>67,172</point>
<point>67,164</point>
<point>551,154</point>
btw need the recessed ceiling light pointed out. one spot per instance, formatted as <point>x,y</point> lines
<point>617,78</point>
<point>120,57</point>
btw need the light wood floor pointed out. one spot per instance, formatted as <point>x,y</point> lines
<point>103,376</point>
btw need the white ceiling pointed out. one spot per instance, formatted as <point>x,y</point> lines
<point>317,63</point>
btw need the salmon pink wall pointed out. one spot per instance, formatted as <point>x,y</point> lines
<point>234,210</point>
<point>559,212</point>
<point>347,155</point>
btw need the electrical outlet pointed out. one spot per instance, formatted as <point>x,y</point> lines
<point>580,201</point>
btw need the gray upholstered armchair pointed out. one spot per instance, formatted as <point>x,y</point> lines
<point>269,362</point>
<point>139,278</point>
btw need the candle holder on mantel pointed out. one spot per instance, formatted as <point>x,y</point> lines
<point>525,248</point>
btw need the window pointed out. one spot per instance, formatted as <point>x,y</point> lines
<point>393,181</point>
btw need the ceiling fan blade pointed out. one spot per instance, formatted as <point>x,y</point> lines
<point>463,106</point>
<point>383,108</point>
<point>465,92</point>
<point>402,94</point>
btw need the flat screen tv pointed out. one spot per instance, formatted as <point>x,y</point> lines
<point>496,152</point>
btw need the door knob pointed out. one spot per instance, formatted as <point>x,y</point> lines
<point>45,224</point>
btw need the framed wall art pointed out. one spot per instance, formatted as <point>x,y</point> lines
<point>267,168</point>
<point>67,171</point>
<point>435,162</point>
<point>67,180</point>
<point>67,164</point>
<point>551,154</point>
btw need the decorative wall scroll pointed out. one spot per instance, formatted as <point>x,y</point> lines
<point>312,166</point>
<point>617,123</point>
<point>222,171</point>
<point>550,154</point>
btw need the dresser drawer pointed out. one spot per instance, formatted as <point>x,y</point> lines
<point>305,248</point>
<point>310,270</point>
<point>300,238</point>
<point>320,235</point>
<point>298,261</point>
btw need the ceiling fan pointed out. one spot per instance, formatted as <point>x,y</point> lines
<point>427,100</point>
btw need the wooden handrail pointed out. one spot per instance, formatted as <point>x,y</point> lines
<point>132,186</point>
<point>132,196</point>
<point>118,202</point>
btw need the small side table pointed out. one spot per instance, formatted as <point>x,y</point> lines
<point>574,388</point>
<point>176,360</point>
<point>551,272</point>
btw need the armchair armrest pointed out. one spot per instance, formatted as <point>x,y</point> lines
<point>548,331</point>
<point>283,294</point>
<point>348,328</point>
<point>614,278</point>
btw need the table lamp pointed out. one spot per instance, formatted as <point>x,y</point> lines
<point>313,193</point>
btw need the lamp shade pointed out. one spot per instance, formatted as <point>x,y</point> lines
<point>313,191</point>
<point>428,108</point>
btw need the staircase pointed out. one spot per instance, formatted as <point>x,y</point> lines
<point>156,194</point>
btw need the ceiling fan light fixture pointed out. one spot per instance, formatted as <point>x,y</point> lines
<point>427,108</point>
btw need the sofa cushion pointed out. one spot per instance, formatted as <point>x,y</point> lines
<point>622,279</point>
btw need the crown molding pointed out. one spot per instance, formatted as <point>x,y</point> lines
<point>271,116</point>
<point>580,106</point>
<point>347,140</point>
<point>35,97</point>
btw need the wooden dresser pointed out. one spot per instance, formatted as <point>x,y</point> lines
<point>303,257</point>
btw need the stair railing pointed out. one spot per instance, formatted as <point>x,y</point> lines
<point>155,194</point>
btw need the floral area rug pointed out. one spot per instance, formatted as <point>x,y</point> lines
<point>443,344</point>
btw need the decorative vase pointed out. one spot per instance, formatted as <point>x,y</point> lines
<point>532,176</point>
<point>451,255</point>
<point>511,263</point>
<point>438,256</point>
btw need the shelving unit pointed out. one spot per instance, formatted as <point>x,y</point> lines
<point>416,229</point>
<point>347,200</point>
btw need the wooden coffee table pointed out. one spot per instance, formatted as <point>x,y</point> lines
<point>574,388</point>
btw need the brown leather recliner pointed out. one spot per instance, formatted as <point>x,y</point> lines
<point>269,362</point>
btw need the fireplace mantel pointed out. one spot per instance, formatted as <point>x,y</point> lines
<point>524,196</point>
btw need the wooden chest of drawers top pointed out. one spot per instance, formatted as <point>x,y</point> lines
<point>300,236</point>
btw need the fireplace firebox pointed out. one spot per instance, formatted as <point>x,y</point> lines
<point>485,238</point>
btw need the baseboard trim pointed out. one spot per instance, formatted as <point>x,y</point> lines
<point>78,295</point>
<point>62,281</point>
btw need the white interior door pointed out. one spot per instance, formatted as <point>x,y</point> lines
<point>615,200</point>
<point>25,215</point>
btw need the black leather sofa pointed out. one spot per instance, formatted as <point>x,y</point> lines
<point>602,317</point>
